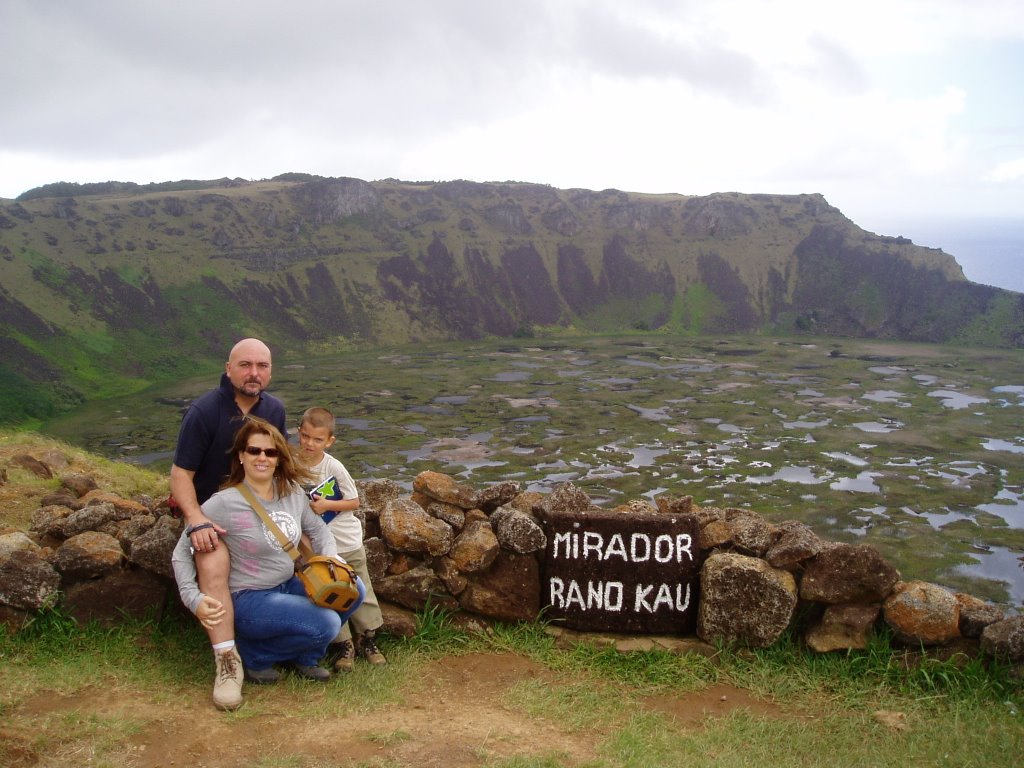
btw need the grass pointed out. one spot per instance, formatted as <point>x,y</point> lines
<point>945,713</point>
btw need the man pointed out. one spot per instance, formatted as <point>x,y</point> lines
<point>201,463</point>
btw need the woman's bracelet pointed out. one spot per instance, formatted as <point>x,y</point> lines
<point>193,528</point>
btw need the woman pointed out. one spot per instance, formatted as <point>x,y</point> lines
<point>275,621</point>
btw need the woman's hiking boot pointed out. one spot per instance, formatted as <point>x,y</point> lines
<point>227,681</point>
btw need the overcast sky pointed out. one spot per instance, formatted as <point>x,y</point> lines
<point>893,109</point>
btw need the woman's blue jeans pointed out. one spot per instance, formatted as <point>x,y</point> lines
<point>282,624</point>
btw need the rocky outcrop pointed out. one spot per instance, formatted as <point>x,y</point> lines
<point>480,554</point>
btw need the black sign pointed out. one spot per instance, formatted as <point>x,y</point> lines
<point>621,572</point>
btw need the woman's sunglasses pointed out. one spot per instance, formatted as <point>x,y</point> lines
<point>252,450</point>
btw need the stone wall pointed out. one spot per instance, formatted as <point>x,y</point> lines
<point>479,554</point>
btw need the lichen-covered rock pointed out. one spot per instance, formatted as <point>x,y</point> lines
<point>407,527</point>
<point>923,613</point>
<point>374,494</point>
<point>976,614</point>
<point>566,497</point>
<point>447,571</point>
<point>152,549</point>
<point>636,506</point>
<point>1004,640</point>
<point>48,521</point>
<point>792,544</point>
<point>493,496</point>
<point>441,487</point>
<point>843,627</point>
<point>674,505</point>
<point>475,548</point>
<point>751,533</point>
<point>125,507</point>
<point>88,555</point>
<point>453,515</point>
<point>378,558</point>
<point>848,573</point>
<point>88,518</point>
<point>518,532</point>
<point>16,540</point>
<point>27,581</point>
<point>744,601</point>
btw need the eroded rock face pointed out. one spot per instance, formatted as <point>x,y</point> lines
<point>744,601</point>
<point>923,613</point>
<point>848,573</point>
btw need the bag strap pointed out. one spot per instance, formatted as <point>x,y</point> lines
<point>286,543</point>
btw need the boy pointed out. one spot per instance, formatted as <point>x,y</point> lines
<point>316,435</point>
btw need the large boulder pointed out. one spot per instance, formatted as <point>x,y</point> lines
<point>108,600</point>
<point>1005,640</point>
<point>152,549</point>
<point>848,573</point>
<point>88,555</point>
<point>499,494</point>
<point>517,531</point>
<point>792,544</point>
<point>923,613</point>
<point>976,614</point>
<point>407,527</point>
<point>744,601</point>
<point>441,487</point>
<point>27,581</point>
<point>508,591</point>
<point>414,589</point>
<point>475,549</point>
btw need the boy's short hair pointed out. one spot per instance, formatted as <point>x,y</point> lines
<point>318,418</point>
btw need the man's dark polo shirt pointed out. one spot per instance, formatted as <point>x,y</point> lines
<point>208,430</point>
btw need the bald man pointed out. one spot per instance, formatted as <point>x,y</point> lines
<point>201,464</point>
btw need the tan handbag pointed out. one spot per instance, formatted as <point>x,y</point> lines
<point>330,582</point>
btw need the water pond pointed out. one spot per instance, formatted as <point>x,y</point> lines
<point>915,449</point>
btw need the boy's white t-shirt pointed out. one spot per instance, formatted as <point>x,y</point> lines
<point>347,530</point>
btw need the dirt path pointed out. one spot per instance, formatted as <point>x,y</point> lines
<point>453,717</point>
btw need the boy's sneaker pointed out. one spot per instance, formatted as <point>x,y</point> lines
<point>344,656</point>
<point>318,674</point>
<point>262,676</point>
<point>227,681</point>
<point>368,648</point>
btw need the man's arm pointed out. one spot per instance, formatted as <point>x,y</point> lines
<point>184,492</point>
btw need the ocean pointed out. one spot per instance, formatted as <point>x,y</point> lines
<point>990,251</point>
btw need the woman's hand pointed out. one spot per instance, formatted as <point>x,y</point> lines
<point>210,611</point>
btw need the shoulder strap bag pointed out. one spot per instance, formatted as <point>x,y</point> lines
<point>330,582</point>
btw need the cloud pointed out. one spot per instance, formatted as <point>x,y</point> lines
<point>1012,170</point>
<point>880,103</point>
